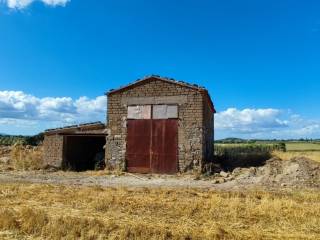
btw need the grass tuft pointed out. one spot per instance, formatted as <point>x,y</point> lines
<point>26,157</point>
<point>7,220</point>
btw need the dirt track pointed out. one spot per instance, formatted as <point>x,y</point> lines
<point>88,179</point>
<point>275,174</point>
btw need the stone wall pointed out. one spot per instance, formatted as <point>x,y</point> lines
<point>53,150</point>
<point>208,136</point>
<point>192,145</point>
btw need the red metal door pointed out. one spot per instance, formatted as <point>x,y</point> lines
<point>164,146</point>
<point>138,146</point>
<point>152,146</point>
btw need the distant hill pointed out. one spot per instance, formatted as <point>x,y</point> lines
<point>231,140</point>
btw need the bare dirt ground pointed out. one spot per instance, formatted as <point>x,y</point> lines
<point>297,173</point>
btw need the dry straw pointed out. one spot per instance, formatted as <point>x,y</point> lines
<point>26,157</point>
<point>62,212</point>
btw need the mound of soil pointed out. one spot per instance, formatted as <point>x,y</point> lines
<point>298,172</point>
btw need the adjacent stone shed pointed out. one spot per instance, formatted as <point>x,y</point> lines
<point>77,148</point>
<point>159,125</point>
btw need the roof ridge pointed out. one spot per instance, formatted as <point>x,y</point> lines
<point>167,79</point>
<point>173,80</point>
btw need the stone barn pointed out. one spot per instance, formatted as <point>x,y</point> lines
<point>154,125</point>
<point>159,125</point>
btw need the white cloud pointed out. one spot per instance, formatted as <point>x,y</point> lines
<point>17,105</point>
<point>17,122</point>
<point>249,120</point>
<point>23,113</point>
<point>86,106</point>
<point>20,4</point>
<point>264,123</point>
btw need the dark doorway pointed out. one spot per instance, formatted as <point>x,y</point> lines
<point>82,153</point>
<point>152,146</point>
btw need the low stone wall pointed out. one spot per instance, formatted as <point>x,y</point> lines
<point>53,150</point>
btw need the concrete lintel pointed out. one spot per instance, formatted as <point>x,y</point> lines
<point>154,100</point>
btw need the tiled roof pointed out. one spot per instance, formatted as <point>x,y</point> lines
<point>79,126</point>
<point>166,79</point>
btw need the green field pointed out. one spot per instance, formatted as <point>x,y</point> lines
<point>302,147</point>
<point>249,153</point>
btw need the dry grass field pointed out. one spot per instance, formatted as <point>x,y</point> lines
<point>29,211</point>
<point>313,155</point>
<point>300,149</point>
<point>78,211</point>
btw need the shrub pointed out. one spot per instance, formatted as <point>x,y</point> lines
<point>245,155</point>
<point>34,140</point>
<point>7,140</point>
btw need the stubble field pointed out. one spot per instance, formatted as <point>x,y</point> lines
<point>32,208</point>
<point>31,211</point>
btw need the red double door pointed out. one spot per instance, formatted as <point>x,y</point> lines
<point>152,146</point>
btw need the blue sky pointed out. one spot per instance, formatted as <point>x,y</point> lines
<point>259,60</point>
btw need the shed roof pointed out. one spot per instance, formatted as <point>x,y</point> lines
<point>94,126</point>
<point>168,80</point>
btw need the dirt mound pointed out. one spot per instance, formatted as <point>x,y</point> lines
<point>297,172</point>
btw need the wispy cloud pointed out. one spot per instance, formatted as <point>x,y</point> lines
<point>20,4</point>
